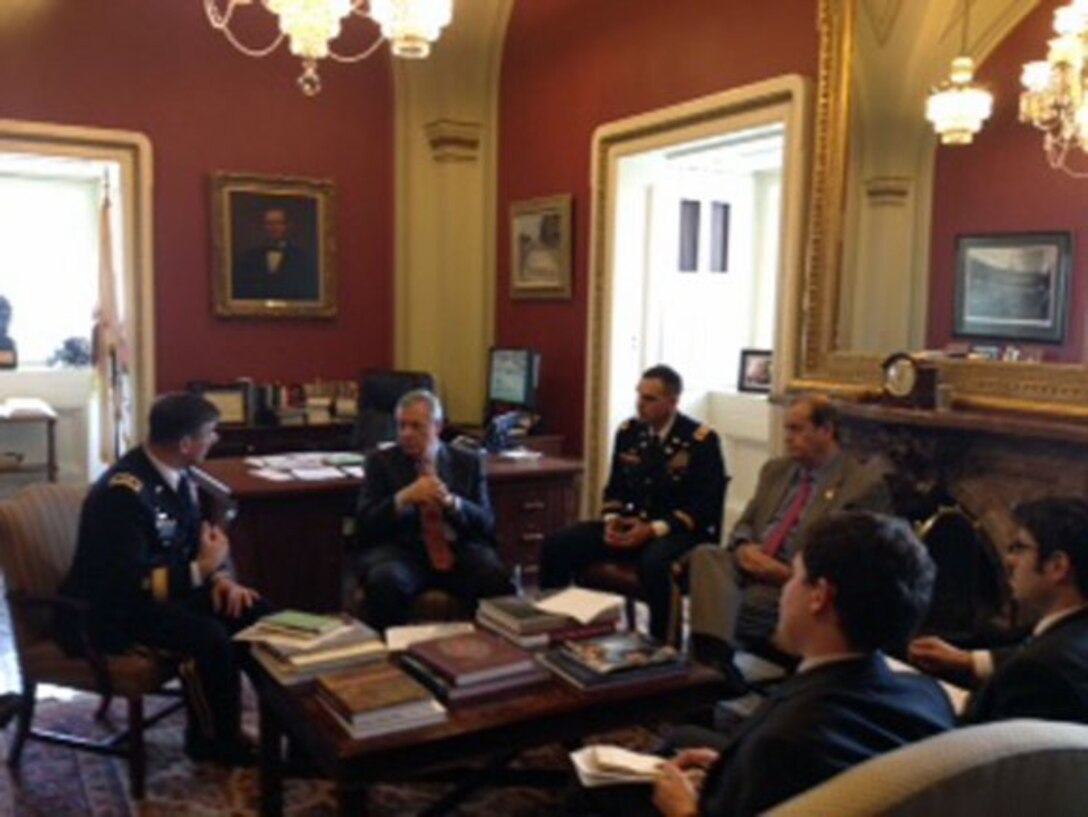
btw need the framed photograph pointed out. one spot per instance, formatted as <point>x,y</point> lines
<point>232,400</point>
<point>755,370</point>
<point>1013,287</point>
<point>274,247</point>
<point>540,244</point>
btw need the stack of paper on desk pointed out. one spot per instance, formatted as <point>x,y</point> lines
<point>611,765</point>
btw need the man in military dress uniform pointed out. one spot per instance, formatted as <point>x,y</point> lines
<point>664,496</point>
<point>155,574</point>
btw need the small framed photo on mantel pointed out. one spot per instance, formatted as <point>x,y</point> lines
<point>1013,286</point>
<point>756,374</point>
<point>274,247</point>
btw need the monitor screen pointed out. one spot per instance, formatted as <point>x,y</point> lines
<point>512,377</point>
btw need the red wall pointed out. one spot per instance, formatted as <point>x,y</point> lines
<point>1003,184</point>
<point>157,67</point>
<point>571,65</point>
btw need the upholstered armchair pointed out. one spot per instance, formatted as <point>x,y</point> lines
<point>1005,769</point>
<point>38,530</point>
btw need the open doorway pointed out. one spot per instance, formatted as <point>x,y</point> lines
<point>697,240</point>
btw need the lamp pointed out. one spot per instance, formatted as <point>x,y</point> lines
<point>958,106</point>
<point>309,26</point>
<point>1053,98</point>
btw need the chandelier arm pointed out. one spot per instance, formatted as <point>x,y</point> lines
<point>362,55</point>
<point>249,51</point>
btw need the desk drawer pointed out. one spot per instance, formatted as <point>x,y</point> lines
<point>526,513</point>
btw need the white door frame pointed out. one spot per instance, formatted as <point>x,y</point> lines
<point>783,99</point>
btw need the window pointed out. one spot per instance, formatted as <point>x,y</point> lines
<point>689,235</point>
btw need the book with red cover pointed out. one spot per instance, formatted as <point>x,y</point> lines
<point>447,692</point>
<point>470,658</point>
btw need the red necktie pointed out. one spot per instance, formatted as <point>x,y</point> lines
<point>777,539</point>
<point>434,534</point>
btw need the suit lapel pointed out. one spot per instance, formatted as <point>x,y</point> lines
<point>827,491</point>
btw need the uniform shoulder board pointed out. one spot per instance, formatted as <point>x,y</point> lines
<point>702,432</point>
<point>126,480</point>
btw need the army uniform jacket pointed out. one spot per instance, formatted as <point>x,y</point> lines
<point>137,539</point>
<point>680,480</point>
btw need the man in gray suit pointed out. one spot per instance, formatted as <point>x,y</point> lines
<point>735,589</point>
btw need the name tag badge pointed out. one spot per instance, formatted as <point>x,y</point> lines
<point>166,527</point>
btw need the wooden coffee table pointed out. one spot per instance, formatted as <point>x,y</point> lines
<point>494,731</point>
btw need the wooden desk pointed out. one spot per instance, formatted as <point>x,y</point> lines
<point>289,539</point>
<point>495,730</point>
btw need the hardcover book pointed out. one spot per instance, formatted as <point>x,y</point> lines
<point>296,621</point>
<point>520,615</point>
<point>478,692</point>
<point>378,687</point>
<point>560,662</point>
<point>470,658</point>
<point>620,652</point>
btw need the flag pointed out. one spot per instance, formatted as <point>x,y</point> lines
<point>108,347</point>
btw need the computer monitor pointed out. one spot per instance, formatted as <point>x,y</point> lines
<point>512,378</point>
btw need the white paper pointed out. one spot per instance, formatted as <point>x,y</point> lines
<point>272,474</point>
<point>956,695</point>
<point>353,470</point>
<point>611,765</point>
<point>298,459</point>
<point>520,454</point>
<point>255,633</point>
<point>580,604</point>
<point>400,638</point>
<point>318,473</point>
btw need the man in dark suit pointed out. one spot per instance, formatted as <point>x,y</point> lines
<point>1047,675</point>
<point>664,496</point>
<point>425,519</point>
<point>155,574</point>
<point>735,590</point>
<point>862,581</point>
<point>277,269</point>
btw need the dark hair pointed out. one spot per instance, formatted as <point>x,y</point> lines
<point>177,415</point>
<point>821,411</point>
<point>882,575</point>
<point>674,384</point>
<point>1059,523</point>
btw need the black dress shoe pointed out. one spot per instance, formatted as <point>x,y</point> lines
<point>232,754</point>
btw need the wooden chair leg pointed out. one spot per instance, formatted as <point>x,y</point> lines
<point>22,724</point>
<point>103,707</point>
<point>630,611</point>
<point>137,758</point>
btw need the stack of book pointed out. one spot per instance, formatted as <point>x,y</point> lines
<point>295,647</point>
<point>519,620</point>
<point>377,700</point>
<point>471,667</point>
<point>612,661</point>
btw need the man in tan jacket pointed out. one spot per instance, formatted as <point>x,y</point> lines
<point>735,589</point>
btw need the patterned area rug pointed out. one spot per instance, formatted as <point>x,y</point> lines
<point>57,782</point>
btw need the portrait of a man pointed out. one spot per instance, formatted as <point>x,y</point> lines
<point>275,266</point>
<point>275,247</point>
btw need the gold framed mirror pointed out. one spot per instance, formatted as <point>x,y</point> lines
<point>1052,390</point>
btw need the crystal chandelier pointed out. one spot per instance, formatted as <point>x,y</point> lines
<point>958,106</point>
<point>1053,99</point>
<point>309,26</point>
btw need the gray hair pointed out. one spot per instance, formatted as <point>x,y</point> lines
<point>422,396</point>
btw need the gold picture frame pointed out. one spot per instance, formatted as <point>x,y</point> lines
<point>274,247</point>
<point>540,249</point>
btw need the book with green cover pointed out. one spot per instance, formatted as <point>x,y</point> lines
<point>296,621</point>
